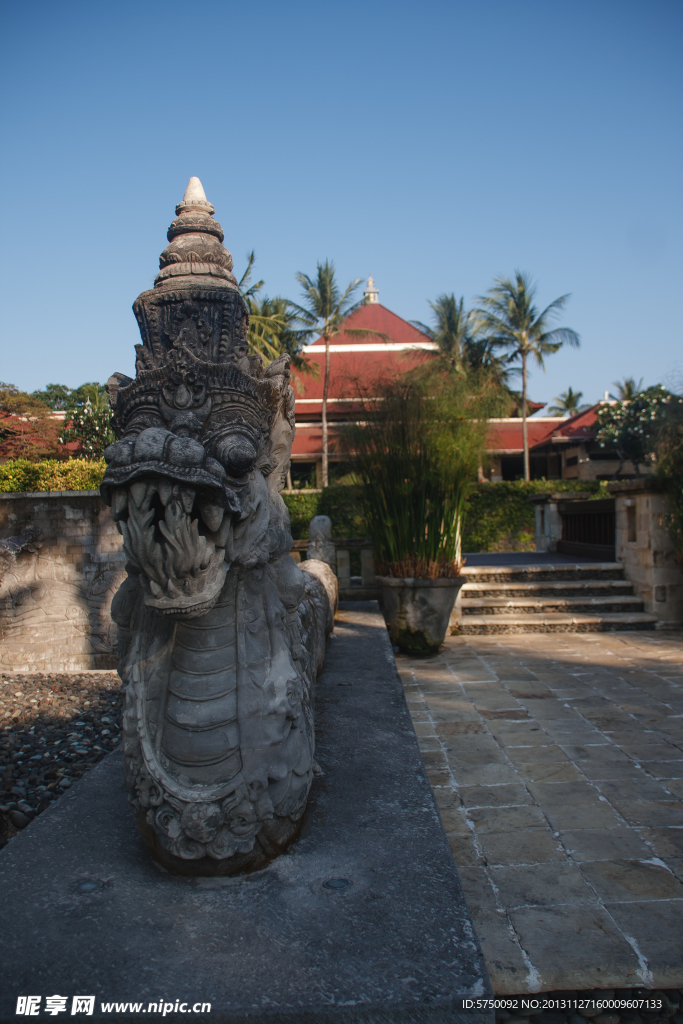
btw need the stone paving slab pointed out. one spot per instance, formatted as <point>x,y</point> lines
<point>557,765</point>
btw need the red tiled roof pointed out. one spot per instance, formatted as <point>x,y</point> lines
<point>375,317</point>
<point>506,435</point>
<point>359,359</point>
<point>581,427</point>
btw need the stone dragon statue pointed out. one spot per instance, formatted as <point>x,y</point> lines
<point>220,633</point>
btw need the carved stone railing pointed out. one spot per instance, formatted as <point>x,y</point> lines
<point>351,588</point>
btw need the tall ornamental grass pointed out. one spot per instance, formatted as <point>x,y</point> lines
<point>417,452</point>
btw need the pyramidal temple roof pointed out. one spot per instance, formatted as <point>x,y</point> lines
<point>373,316</point>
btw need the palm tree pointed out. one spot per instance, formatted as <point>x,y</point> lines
<point>568,403</point>
<point>479,354</point>
<point>627,389</point>
<point>454,328</point>
<point>509,318</point>
<point>274,331</point>
<point>456,335</point>
<point>265,322</point>
<point>325,310</point>
<point>274,325</point>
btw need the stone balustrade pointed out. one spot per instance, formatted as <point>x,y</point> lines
<point>351,588</point>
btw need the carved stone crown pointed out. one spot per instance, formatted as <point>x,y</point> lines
<point>195,303</point>
<point>200,409</point>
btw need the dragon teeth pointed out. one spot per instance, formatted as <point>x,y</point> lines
<point>119,502</point>
<point>187,498</point>
<point>212,515</point>
<point>165,489</point>
<point>138,491</point>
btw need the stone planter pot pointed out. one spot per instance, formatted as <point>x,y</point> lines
<point>417,611</point>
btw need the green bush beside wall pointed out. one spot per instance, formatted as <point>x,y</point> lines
<point>74,475</point>
<point>341,502</point>
<point>499,516</point>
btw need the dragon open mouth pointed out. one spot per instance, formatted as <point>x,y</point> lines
<point>177,536</point>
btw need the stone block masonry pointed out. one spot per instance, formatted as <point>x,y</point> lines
<point>61,561</point>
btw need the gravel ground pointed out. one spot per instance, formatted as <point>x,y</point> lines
<point>612,1013</point>
<point>53,727</point>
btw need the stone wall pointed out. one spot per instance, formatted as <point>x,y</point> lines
<point>642,543</point>
<point>61,561</point>
<point>645,549</point>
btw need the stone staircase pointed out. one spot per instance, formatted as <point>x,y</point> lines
<point>586,597</point>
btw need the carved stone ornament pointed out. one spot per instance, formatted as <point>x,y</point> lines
<point>220,633</point>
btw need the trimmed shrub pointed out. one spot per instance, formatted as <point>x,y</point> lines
<point>499,517</point>
<point>342,503</point>
<point>74,475</point>
<point>302,508</point>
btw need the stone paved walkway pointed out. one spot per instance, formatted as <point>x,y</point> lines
<point>557,762</point>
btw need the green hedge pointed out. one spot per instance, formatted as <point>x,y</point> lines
<point>73,475</point>
<point>302,508</point>
<point>498,516</point>
<point>341,502</point>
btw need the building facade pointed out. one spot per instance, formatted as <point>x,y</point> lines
<point>560,448</point>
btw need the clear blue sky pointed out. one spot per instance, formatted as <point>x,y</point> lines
<point>433,144</point>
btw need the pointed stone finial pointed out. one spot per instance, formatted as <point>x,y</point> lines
<point>194,199</point>
<point>195,248</point>
<point>370,294</point>
<point>194,192</point>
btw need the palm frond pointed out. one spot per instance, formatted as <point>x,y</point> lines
<point>246,290</point>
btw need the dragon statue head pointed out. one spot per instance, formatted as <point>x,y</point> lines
<point>201,426</point>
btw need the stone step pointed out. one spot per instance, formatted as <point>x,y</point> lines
<point>538,573</point>
<point>554,623</point>
<point>547,588</point>
<point>542,605</point>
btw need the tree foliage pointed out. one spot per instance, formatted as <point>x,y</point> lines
<point>627,389</point>
<point>457,336</point>
<point>88,421</point>
<point>568,403</point>
<point>632,427</point>
<point>56,396</point>
<point>28,430</point>
<point>669,450</point>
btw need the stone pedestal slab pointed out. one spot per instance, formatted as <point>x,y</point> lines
<point>363,920</point>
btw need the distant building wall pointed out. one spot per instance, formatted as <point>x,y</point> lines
<point>61,561</point>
